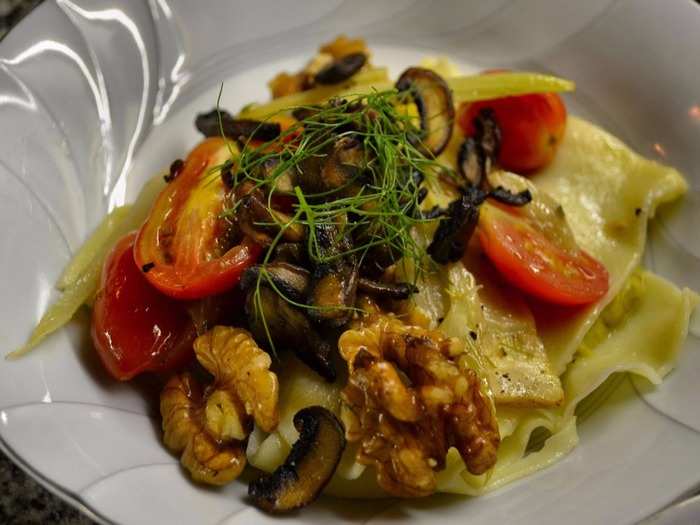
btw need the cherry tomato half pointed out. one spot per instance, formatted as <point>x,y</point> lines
<point>532,126</point>
<point>135,328</point>
<point>184,247</point>
<point>535,262</point>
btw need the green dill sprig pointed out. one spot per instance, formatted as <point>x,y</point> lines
<point>378,208</point>
<point>387,205</point>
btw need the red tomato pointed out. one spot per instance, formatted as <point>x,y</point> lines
<point>184,242</point>
<point>532,126</point>
<point>135,328</point>
<point>535,262</point>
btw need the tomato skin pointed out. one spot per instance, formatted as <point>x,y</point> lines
<point>532,127</point>
<point>536,264</point>
<point>182,239</point>
<point>134,327</point>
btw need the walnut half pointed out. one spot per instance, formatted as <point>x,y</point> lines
<point>411,396</point>
<point>208,427</point>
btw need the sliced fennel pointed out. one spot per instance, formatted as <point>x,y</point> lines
<point>362,82</point>
<point>465,89</point>
<point>81,278</point>
<point>63,310</point>
<point>94,244</point>
<point>484,87</point>
<point>119,222</point>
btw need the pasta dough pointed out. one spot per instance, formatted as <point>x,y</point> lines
<point>608,193</point>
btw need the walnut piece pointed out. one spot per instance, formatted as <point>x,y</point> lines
<point>208,427</point>
<point>209,461</point>
<point>411,396</point>
<point>242,368</point>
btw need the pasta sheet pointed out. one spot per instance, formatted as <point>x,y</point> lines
<point>608,193</point>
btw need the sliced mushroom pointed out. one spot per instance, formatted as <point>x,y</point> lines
<point>341,69</point>
<point>434,212</point>
<point>291,252</point>
<point>333,169</point>
<point>471,162</point>
<point>433,98</point>
<point>478,154</point>
<point>488,133</point>
<point>283,182</point>
<point>505,196</point>
<point>396,291</point>
<point>378,259</point>
<point>343,164</point>
<point>305,112</point>
<point>308,467</point>
<point>333,293</point>
<point>455,230</point>
<point>262,223</point>
<point>270,316</point>
<point>208,124</point>
<point>292,281</point>
<point>333,284</point>
<point>315,115</point>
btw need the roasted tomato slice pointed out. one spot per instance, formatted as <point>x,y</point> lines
<point>186,248</point>
<point>532,127</point>
<point>135,328</point>
<point>538,262</point>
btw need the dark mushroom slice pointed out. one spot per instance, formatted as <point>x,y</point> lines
<point>333,293</point>
<point>433,98</point>
<point>309,466</point>
<point>291,252</point>
<point>338,121</point>
<point>291,280</point>
<point>434,212</point>
<point>333,284</point>
<point>341,69</point>
<point>302,113</point>
<point>378,259</point>
<point>382,252</point>
<point>488,134</point>
<point>262,223</point>
<point>478,154</point>
<point>333,170</point>
<point>309,173</point>
<point>343,164</point>
<point>455,230</point>
<point>505,196</point>
<point>227,174</point>
<point>208,125</point>
<point>395,291</point>
<point>284,181</point>
<point>271,317</point>
<point>471,162</point>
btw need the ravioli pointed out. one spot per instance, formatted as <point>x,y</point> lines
<point>640,332</point>
<point>608,193</point>
<point>497,322</point>
<point>644,338</point>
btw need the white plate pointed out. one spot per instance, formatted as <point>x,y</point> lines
<point>96,95</point>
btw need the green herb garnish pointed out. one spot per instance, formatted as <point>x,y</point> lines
<point>377,207</point>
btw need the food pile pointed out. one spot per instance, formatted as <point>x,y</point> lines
<point>374,234</point>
